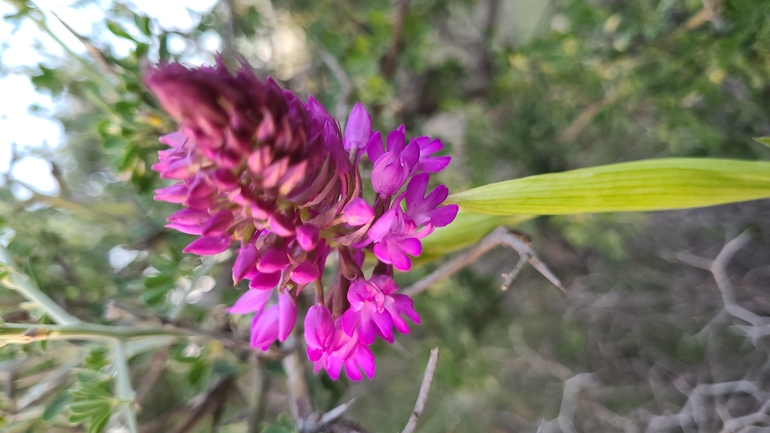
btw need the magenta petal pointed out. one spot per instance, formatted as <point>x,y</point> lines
<point>287,317</point>
<point>245,262</point>
<point>219,223</point>
<point>265,280</point>
<point>352,370</point>
<point>334,366</point>
<point>307,236</point>
<point>381,252</point>
<point>400,261</point>
<point>358,130</point>
<point>396,140</point>
<point>190,229</point>
<point>251,301</point>
<point>178,169</point>
<point>281,225</point>
<point>389,173</point>
<point>201,188</point>
<point>374,149</point>
<point>365,359</point>
<point>357,212</point>
<point>444,215</point>
<point>189,216</point>
<point>273,261</point>
<point>305,272</point>
<point>172,194</point>
<point>434,165</point>
<point>405,306</point>
<point>314,354</point>
<point>385,325</point>
<point>265,329</point>
<point>411,246</point>
<point>175,139</point>
<point>226,179</point>
<point>209,246</point>
<point>415,191</point>
<point>382,226</point>
<point>349,320</point>
<point>319,327</point>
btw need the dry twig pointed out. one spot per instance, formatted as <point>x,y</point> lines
<point>500,236</point>
<point>422,397</point>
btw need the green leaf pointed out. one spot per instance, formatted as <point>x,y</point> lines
<point>100,421</point>
<point>87,406</point>
<point>464,231</point>
<point>158,280</point>
<point>56,406</point>
<point>763,140</point>
<point>141,51</point>
<point>143,24</point>
<point>118,31</point>
<point>114,142</point>
<point>196,372</point>
<point>153,296</point>
<point>656,184</point>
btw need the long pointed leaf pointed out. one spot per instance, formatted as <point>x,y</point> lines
<point>656,184</point>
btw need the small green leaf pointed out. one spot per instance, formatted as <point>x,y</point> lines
<point>153,296</point>
<point>118,31</point>
<point>114,142</point>
<point>100,421</point>
<point>56,406</point>
<point>656,184</point>
<point>143,24</point>
<point>87,406</point>
<point>157,280</point>
<point>163,53</point>
<point>141,51</point>
<point>196,372</point>
<point>763,140</point>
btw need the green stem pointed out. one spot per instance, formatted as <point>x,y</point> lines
<point>23,333</point>
<point>19,282</point>
<point>123,389</point>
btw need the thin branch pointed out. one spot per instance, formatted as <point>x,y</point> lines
<point>390,60</point>
<point>572,388</point>
<point>261,386</point>
<point>422,397</point>
<point>585,117</point>
<point>500,236</point>
<point>18,333</point>
<point>218,393</point>
<point>333,415</point>
<point>123,389</point>
<point>299,397</point>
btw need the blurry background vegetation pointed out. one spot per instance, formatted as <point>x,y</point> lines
<point>514,88</point>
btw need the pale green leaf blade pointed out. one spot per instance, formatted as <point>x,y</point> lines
<point>464,231</point>
<point>656,184</point>
<point>763,140</point>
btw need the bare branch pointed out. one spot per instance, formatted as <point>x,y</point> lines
<point>422,397</point>
<point>500,236</point>
<point>333,415</point>
<point>299,398</point>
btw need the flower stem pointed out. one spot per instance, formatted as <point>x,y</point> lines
<point>23,333</point>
